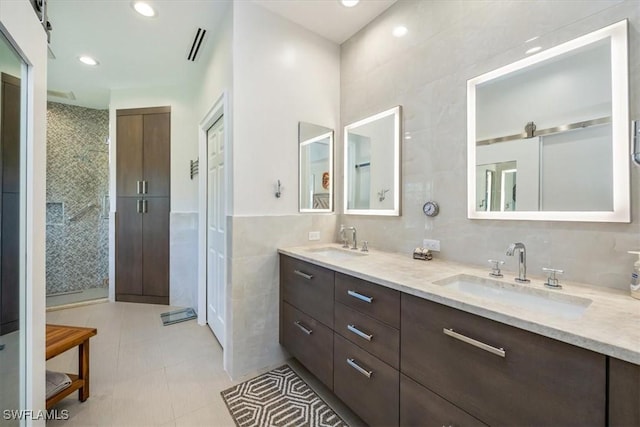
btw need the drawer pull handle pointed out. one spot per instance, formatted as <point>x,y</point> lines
<point>301,274</point>
<point>360,296</point>
<point>359,333</point>
<point>303,328</point>
<point>486,347</point>
<point>359,368</point>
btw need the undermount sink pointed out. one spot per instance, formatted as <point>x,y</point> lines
<point>336,253</point>
<point>539,300</point>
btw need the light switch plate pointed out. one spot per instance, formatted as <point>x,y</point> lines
<point>314,235</point>
<point>432,245</point>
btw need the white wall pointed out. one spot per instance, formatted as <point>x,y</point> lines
<point>283,74</point>
<point>20,25</point>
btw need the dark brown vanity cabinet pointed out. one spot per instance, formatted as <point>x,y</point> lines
<point>366,349</point>
<point>306,316</point>
<point>499,374</point>
<point>143,204</point>
<point>394,358</point>
<point>624,393</point>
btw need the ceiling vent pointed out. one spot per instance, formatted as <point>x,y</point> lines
<point>195,46</point>
<point>59,94</point>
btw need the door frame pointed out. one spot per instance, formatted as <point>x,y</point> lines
<point>219,109</point>
<point>19,24</point>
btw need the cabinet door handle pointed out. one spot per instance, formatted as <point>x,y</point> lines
<point>138,187</point>
<point>486,347</point>
<point>139,206</point>
<point>144,187</point>
<point>359,333</point>
<point>144,206</point>
<point>302,274</point>
<point>303,328</point>
<point>360,296</point>
<point>359,368</point>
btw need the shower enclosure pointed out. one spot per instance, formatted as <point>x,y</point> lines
<point>77,204</point>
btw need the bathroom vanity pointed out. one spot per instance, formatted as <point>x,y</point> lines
<point>399,345</point>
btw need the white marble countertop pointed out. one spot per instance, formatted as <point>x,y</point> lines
<point>610,324</point>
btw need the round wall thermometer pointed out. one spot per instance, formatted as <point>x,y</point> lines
<point>430,208</point>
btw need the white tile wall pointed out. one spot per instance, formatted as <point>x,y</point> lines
<point>183,247</point>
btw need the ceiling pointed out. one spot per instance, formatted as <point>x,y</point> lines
<point>134,51</point>
<point>328,18</point>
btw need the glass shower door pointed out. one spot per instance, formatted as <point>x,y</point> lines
<point>77,204</point>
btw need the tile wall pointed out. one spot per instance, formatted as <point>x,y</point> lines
<point>426,72</point>
<point>77,198</point>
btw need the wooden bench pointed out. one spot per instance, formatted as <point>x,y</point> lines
<point>62,338</point>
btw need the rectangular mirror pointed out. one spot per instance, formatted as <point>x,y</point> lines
<point>372,164</point>
<point>548,136</point>
<point>315,180</point>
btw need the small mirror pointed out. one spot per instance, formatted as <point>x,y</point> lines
<point>372,164</point>
<point>548,135</point>
<point>315,168</point>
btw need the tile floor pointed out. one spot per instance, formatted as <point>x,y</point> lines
<point>146,374</point>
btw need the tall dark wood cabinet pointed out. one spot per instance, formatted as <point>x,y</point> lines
<point>143,203</point>
<point>9,204</point>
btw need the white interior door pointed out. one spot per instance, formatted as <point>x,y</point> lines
<point>216,230</point>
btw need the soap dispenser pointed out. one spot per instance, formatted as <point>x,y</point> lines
<point>635,277</point>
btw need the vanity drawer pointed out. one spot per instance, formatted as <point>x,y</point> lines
<point>421,407</point>
<point>376,337</point>
<point>374,300</point>
<point>540,381</point>
<point>307,287</point>
<point>310,342</point>
<point>373,394</point>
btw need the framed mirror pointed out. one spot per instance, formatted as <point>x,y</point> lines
<point>315,167</point>
<point>548,136</point>
<point>372,164</point>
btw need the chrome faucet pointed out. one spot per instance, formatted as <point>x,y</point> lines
<point>522,261</point>
<point>355,239</point>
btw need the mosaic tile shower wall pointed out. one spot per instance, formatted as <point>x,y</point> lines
<point>77,198</point>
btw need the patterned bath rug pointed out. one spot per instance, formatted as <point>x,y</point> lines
<point>278,398</point>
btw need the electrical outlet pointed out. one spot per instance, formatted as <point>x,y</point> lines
<point>432,245</point>
<point>314,235</point>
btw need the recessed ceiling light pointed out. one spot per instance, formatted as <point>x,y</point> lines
<point>144,9</point>
<point>533,50</point>
<point>88,60</point>
<point>400,31</point>
<point>349,3</point>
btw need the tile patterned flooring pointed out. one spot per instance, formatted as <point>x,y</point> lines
<point>146,374</point>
